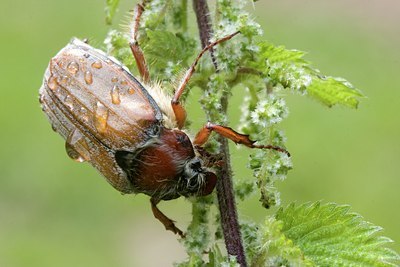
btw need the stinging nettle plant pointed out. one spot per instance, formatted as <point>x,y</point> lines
<point>311,234</point>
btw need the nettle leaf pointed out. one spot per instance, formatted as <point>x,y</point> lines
<point>167,52</point>
<point>330,235</point>
<point>163,44</point>
<point>289,69</point>
<point>117,45</point>
<point>331,91</point>
<point>275,249</point>
<point>111,8</point>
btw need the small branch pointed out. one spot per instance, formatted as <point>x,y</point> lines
<point>225,193</point>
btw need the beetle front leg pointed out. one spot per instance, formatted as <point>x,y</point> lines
<point>179,110</point>
<point>167,222</point>
<point>227,132</point>
<point>134,44</point>
<point>180,113</point>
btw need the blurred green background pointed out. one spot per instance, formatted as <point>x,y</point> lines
<point>55,212</point>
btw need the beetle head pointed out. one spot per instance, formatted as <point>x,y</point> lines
<point>196,180</point>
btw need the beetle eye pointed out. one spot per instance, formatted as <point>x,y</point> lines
<point>208,187</point>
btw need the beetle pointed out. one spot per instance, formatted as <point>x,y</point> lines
<point>131,131</point>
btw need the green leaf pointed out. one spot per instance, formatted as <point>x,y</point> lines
<point>275,249</point>
<point>331,91</point>
<point>289,69</point>
<point>167,53</point>
<point>117,46</point>
<point>111,7</point>
<point>165,45</point>
<point>330,235</point>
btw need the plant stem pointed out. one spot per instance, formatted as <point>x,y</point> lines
<point>204,25</point>
<point>225,193</point>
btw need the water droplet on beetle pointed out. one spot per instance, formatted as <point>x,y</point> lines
<point>41,99</point>
<point>131,91</point>
<point>88,77</point>
<point>97,65</point>
<point>61,64</point>
<point>115,97</point>
<point>124,82</point>
<point>73,140</point>
<point>73,153</point>
<point>84,114</point>
<point>64,80</point>
<point>114,79</point>
<point>100,117</point>
<point>69,102</point>
<point>52,82</point>
<point>73,67</point>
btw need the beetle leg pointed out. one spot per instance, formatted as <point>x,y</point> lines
<point>167,222</point>
<point>179,111</point>
<point>203,135</point>
<point>134,44</point>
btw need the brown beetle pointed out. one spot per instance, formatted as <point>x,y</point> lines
<point>133,135</point>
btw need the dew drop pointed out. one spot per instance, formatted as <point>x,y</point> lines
<point>88,77</point>
<point>100,117</point>
<point>84,114</point>
<point>69,102</point>
<point>73,153</point>
<point>61,64</point>
<point>74,140</point>
<point>97,65</point>
<point>115,97</point>
<point>52,82</point>
<point>41,99</point>
<point>64,80</point>
<point>131,91</point>
<point>73,67</point>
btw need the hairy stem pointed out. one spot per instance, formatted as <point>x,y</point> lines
<point>225,193</point>
<point>204,25</point>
